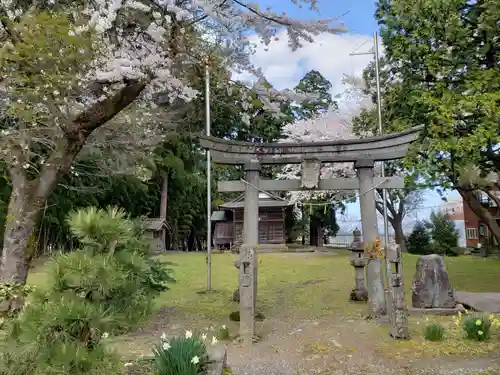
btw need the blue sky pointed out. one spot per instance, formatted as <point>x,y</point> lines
<point>357,15</point>
<point>329,55</point>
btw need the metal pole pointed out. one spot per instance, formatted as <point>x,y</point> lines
<point>388,297</point>
<point>381,131</point>
<point>209,181</point>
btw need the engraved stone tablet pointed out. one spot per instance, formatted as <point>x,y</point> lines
<point>393,253</point>
<point>310,174</point>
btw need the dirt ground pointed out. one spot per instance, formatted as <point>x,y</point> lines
<point>298,337</point>
<point>339,346</point>
<point>328,346</point>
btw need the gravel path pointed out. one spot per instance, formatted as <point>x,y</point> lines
<point>337,347</point>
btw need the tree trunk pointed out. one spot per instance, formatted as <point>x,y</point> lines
<point>397,225</point>
<point>25,206</point>
<point>164,196</point>
<point>313,233</point>
<point>18,244</point>
<point>482,213</point>
<point>319,235</point>
<point>191,242</point>
<point>29,196</point>
<point>163,207</point>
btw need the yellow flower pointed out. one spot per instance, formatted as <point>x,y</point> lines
<point>459,317</point>
<point>478,322</point>
<point>491,317</point>
<point>480,333</point>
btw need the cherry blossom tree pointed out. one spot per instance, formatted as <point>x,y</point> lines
<point>72,73</point>
<point>332,125</point>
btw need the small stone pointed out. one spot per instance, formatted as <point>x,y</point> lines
<point>335,343</point>
<point>431,286</point>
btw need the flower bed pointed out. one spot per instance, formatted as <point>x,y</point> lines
<point>190,354</point>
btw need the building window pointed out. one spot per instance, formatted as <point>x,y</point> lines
<point>482,198</point>
<point>471,233</point>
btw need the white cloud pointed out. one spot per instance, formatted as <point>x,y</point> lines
<point>329,55</point>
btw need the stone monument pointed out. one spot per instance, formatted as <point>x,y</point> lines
<point>362,152</point>
<point>359,293</point>
<point>248,291</point>
<point>431,287</point>
<point>398,310</point>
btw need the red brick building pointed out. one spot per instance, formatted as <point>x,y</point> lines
<point>476,231</point>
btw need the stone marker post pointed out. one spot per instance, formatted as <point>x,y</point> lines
<point>399,321</point>
<point>376,294</point>
<point>248,254</point>
<point>359,293</point>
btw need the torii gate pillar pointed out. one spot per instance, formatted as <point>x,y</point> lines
<point>248,252</point>
<point>376,294</point>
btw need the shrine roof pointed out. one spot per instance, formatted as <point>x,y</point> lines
<point>265,200</point>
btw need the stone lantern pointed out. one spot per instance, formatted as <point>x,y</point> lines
<point>358,261</point>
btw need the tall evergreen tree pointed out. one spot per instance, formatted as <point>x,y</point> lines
<point>444,72</point>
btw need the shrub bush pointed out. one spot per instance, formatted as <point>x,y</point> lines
<point>108,285</point>
<point>419,240</point>
<point>434,332</point>
<point>476,328</point>
<point>456,251</point>
<point>443,233</point>
<point>182,355</point>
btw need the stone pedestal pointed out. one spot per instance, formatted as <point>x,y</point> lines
<point>218,360</point>
<point>359,293</point>
<point>431,286</point>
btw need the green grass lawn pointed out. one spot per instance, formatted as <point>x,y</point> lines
<point>309,284</point>
<point>300,284</point>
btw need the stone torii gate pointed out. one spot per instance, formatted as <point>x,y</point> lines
<point>362,152</point>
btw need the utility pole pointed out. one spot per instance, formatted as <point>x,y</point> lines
<point>376,56</point>
<point>209,179</point>
<point>375,53</point>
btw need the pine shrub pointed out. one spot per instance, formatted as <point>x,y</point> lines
<point>107,285</point>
